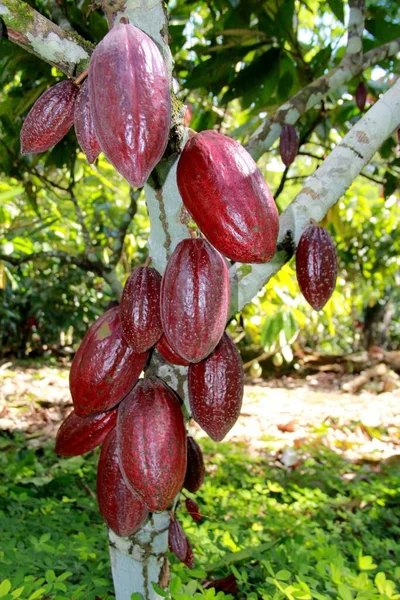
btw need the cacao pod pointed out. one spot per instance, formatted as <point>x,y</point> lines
<point>194,299</point>
<point>152,443</point>
<point>195,470</point>
<point>179,544</point>
<point>49,119</point>
<point>228,198</point>
<point>121,509</point>
<point>140,309</point>
<point>288,144</point>
<point>130,99</point>
<point>316,266</point>
<point>78,435</point>
<point>83,122</point>
<point>104,368</point>
<point>216,389</point>
<point>169,354</point>
<point>193,509</point>
<point>361,95</point>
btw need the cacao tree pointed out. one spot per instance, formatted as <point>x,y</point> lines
<point>139,560</point>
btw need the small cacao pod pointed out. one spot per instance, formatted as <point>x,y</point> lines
<point>288,144</point>
<point>193,509</point>
<point>152,443</point>
<point>78,435</point>
<point>194,299</point>
<point>316,266</point>
<point>121,509</point>
<point>195,470</point>
<point>361,95</point>
<point>179,544</point>
<point>83,122</point>
<point>105,368</point>
<point>130,99</point>
<point>169,354</point>
<point>228,198</point>
<point>140,309</point>
<point>49,119</point>
<point>216,389</point>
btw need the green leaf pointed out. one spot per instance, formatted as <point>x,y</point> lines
<point>283,575</point>
<point>175,585</point>
<point>159,590</point>
<point>5,587</point>
<point>344,592</point>
<point>337,8</point>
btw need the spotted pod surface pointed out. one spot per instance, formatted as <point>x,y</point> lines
<point>49,119</point>
<point>216,389</point>
<point>194,299</point>
<point>179,544</point>
<point>361,95</point>
<point>105,368</point>
<point>78,435</point>
<point>228,198</point>
<point>193,509</point>
<point>288,144</point>
<point>121,509</point>
<point>130,98</point>
<point>152,443</point>
<point>195,470</point>
<point>169,354</point>
<point>316,266</point>
<point>140,309</point>
<point>84,126</point>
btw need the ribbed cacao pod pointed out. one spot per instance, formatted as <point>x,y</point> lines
<point>140,309</point>
<point>316,266</point>
<point>130,98</point>
<point>121,509</point>
<point>361,95</point>
<point>179,544</point>
<point>216,389</point>
<point>104,368</point>
<point>78,435</point>
<point>193,509</point>
<point>168,354</point>
<point>194,299</point>
<point>152,443</point>
<point>288,144</point>
<point>195,470</point>
<point>49,119</point>
<point>228,198</point>
<point>83,122</point>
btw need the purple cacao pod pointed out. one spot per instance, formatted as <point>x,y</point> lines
<point>193,509</point>
<point>179,544</point>
<point>78,435</point>
<point>83,122</point>
<point>195,470</point>
<point>288,144</point>
<point>361,95</point>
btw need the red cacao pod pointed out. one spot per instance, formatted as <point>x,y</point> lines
<point>288,144</point>
<point>361,95</point>
<point>194,299</point>
<point>121,509</point>
<point>49,119</point>
<point>78,435</point>
<point>84,126</point>
<point>179,544</point>
<point>195,470</point>
<point>104,368</point>
<point>227,196</point>
<point>152,443</point>
<point>130,98</point>
<point>216,389</point>
<point>193,509</point>
<point>168,354</point>
<point>316,266</point>
<point>189,561</point>
<point>140,309</point>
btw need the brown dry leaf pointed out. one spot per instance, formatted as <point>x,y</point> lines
<point>287,427</point>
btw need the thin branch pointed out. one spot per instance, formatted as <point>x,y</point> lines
<point>281,185</point>
<point>79,215</point>
<point>126,221</point>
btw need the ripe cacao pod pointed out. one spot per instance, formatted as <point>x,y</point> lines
<point>104,368</point>
<point>152,443</point>
<point>78,435</point>
<point>121,509</point>
<point>316,266</point>
<point>130,98</point>
<point>83,122</point>
<point>49,119</point>
<point>194,299</point>
<point>140,309</point>
<point>361,95</point>
<point>228,198</point>
<point>193,509</point>
<point>216,389</point>
<point>168,354</point>
<point>195,470</point>
<point>179,544</point>
<point>288,144</point>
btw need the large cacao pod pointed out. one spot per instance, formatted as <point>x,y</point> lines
<point>104,368</point>
<point>195,470</point>
<point>316,266</point>
<point>84,126</point>
<point>216,389</point>
<point>122,510</point>
<point>179,544</point>
<point>78,435</point>
<point>140,309</point>
<point>361,95</point>
<point>130,98</point>
<point>49,119</point>
<point>169,354</point>
<point>288,144</point>
<point>152,443</point>
<point>228,198</point>
<point>194,299</point>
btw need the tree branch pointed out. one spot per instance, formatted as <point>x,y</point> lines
<point>123,228</point>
